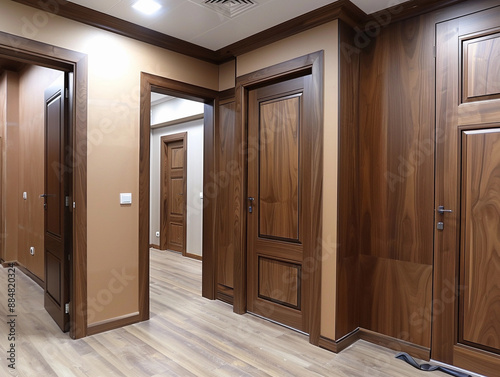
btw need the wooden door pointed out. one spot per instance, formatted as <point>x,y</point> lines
<point>278,167</point>
<point>173,193</point>
<point>57,241</point>
<point>466,327</point>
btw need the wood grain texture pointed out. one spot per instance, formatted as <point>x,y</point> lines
<point>396,299</point>
<point>480,245</point>
<point>481,68</point>
<point>397,181</point>
<point>348,230</point>
<point>312,63</point>
<point>186,336</point>
<point>279,282</point>
<point>449,272</point>
<point>279,172</point>
<point>228,206</point>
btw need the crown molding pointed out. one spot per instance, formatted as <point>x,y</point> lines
<point>343,10</point>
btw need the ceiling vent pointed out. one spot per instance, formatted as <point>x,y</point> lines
<point>229,8</point>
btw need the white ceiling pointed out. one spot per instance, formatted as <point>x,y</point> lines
<point>193,22</point>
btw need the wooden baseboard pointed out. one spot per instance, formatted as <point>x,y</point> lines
<point>194,256</point>
<point>25,271</point>
<point>31,275</point>
<point>113,323</point>
<point>414,350</point>
<point>154,246</point>
<point>337,346</point>
<point>225,294</point>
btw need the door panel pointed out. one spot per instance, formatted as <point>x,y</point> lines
<point>275,249</point>
<point>279,168</point>
<point>480,307</point>
<point>466,325</point>
<point>173,189</point>
<point>57,218</point>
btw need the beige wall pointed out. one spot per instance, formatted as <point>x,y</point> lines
<point>115,64</point>
<point>9,130</point>
<point>33,81</point>
<point>325,38</point>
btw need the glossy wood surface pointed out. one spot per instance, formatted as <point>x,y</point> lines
<point>279,172</point>
<point>481,68</point>
<point>274,246</point>
<point>186,336</point>
<point>228,205</point>
<point>312,63</point>
<point>480,248</point>
<point>459,248</point>
<point>396,167</point>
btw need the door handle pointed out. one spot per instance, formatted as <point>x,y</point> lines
<point>442,211</point>
<point>250,207</point>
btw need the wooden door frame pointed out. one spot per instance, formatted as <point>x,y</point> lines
<point>209,97</point>
<point>33,52</point>
<point>307,64</point>
<point>165,140</point>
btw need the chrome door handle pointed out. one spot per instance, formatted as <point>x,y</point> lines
<point>442,211</point>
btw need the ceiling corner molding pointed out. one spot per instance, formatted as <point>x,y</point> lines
<point>412,8</point>
<point>342,9</point>
<point>106,22</point>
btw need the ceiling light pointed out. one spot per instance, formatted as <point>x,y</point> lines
<point>147,6</point>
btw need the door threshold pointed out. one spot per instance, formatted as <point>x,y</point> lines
<point>278,323</point>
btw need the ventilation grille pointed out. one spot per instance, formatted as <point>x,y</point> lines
<point>229,8</point>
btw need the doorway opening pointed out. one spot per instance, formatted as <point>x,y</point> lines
<point>176,201</point>
<point>167,87</point>
<point>71,167</point>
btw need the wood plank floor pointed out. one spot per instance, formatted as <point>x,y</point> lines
<point>186,336</point>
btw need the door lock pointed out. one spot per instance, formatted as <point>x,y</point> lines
<point>250,207</point>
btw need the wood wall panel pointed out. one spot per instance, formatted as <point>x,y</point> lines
<point>347,316</point>
<point>396,299</point>
<point>228,206</point>
<point>397,179</point>
<point>279,168</point>
<point>480,248</point>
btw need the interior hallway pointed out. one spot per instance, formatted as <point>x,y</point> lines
<point>187,335</point>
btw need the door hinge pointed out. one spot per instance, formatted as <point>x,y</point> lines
<point>434,51</point>
<point>67,201</point>
<point>66,308</point>
<point>66,93</point>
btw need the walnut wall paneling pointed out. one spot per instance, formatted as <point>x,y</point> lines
<point>348,284</point>
<point>228,217</point>
<point>397,180</point>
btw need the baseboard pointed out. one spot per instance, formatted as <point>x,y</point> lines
<point>31,275</point>
<point>337,346</point>
<point>154,246</point>
<point>194,256</point>
<point>25,271</point>
<point>395,344</point>
<point>114,323</point>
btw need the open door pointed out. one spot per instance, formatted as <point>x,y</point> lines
<point>56,202</point>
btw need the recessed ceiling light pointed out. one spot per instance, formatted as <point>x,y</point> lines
<point>147,6</point>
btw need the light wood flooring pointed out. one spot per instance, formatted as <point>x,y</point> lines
<point>186,336</point>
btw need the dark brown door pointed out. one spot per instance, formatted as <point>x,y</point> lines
<point>278,164</point>
<point>466,327</point>
<point>173,193</point>
<point>56,196</point>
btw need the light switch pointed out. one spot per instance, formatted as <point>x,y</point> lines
<point>126,198</point>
